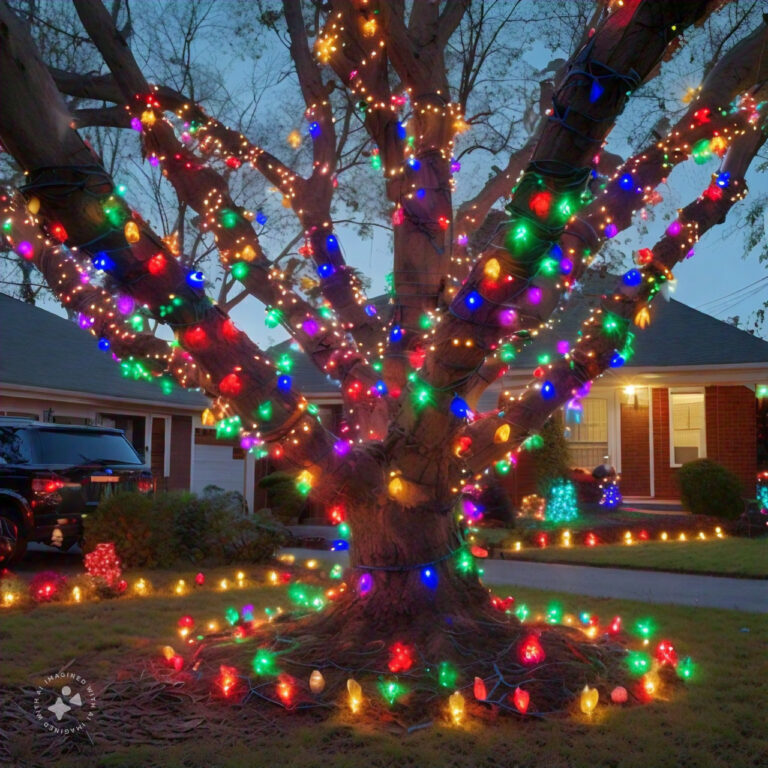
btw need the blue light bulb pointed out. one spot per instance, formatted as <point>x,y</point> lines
<point>473,300</point>
<point>459,408</point>
<point>196,279</point>
<point>429,577</point>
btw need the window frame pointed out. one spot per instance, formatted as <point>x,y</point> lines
<point>703,437</point>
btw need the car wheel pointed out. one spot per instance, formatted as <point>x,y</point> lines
<point>13,545</point>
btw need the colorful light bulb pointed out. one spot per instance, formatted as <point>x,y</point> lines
<point>521,700</point>
<point>530,651</point>
<point>588,700</point>
<point>456,707</point>
<point>354,695</point>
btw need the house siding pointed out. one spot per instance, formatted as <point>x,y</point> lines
<point>731,434</point>
<point>635,451</point>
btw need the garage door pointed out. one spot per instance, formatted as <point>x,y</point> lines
<point>215,465</point>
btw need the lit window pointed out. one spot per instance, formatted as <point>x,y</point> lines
<point>686,427</point>
<point>588,433</point>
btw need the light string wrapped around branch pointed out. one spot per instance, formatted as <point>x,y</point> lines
<point>606,332</point>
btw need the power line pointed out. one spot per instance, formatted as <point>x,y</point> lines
<point>732,293</point>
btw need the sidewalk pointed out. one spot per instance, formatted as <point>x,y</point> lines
<point>647,586</point>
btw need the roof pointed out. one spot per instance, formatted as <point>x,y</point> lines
<point>678,336</point>
<point>40,349</point>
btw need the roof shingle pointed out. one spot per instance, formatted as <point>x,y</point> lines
<point>40,349</point>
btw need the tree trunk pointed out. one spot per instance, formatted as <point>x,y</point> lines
<point>410,566</point>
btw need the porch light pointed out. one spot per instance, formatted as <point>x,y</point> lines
<point>631,393</point>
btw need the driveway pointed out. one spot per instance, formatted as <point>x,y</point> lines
<point>646,586</point>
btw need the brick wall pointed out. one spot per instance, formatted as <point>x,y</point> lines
<point>181,453</point>
<point>522,479</point>
<point>731,427</point>
<point>635,458</point>
<point>732,432</point>
<point>665,477</point>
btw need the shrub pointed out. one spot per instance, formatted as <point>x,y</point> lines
<point>160,530</point>
<point>126,519</point>
<point>283,498</point>
<point>708,488</point>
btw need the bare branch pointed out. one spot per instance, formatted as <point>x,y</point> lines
<point>110,117</point>
<point>449,20</point>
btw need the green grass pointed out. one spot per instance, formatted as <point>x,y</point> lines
<point>727,557</point>
<point>716,721</point>
<point>100,635</point>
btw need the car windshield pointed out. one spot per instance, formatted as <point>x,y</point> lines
<point>73,447</point>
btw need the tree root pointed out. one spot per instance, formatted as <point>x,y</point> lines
<point>342,645</point>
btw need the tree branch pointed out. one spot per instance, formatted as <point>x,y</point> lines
<point>108,117</point>
<point>206,192</point>
<point>594,352</point>
<point>743,68</point>
<point>449,20</point>
<point>501,297</point>
<point>67,180</point>
<point>71,285</point>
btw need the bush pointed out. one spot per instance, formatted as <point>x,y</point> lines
<point>127,520</point>
<point>159,531</point>
<point>283,498</point>
<point>708,488</point>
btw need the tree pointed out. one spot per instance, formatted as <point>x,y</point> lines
<point>553,458</point>
<point>469,286</point>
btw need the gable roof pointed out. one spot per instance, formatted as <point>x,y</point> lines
<point>40,349</point>
<point>678,336</point>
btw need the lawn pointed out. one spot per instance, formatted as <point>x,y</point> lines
<point>726,557</point>
<point>714,722</point>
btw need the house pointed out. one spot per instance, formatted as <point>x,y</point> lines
<point>51,370</point>
<point>688,392</point>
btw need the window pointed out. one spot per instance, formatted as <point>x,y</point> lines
<point>588,437</point>
<point>687,439</point>
<point>64,446</point>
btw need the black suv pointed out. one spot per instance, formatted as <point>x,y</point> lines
<point>51,475</point>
